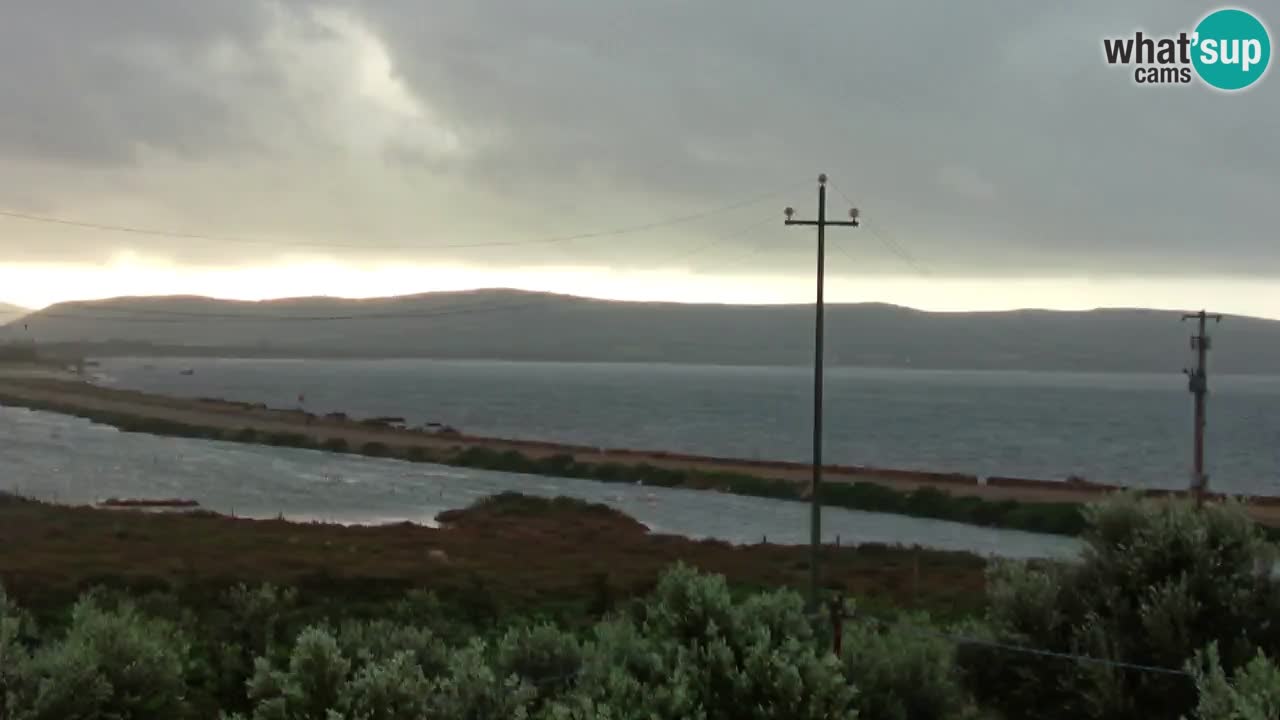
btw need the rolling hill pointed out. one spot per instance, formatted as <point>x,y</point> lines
<point>9,313</point>
<point>517,325</point>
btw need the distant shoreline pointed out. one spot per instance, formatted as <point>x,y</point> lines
<point>209,353</point>
<point>994,501</point>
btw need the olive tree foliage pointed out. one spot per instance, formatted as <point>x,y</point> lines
<point>254,621</point>
<point>1157,583</point>
<point>688,651</point>
<point>904,671</point>
<point>111,663</point>
<point>259,614</point>
<point>376,672</point>
<point>15,631</point>
<point>1252,692</point>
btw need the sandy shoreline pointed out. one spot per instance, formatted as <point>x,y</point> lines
<point>64,392</point>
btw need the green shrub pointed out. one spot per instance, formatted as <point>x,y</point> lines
<point>477,457</point>
<point>761,487</point>
<point>561,464</point>
<point>287,439</point>
<point>659,476</point>
<point>902,674</point>
<point>336,444</point>
<point>748,660</point>
<point>375,449</point>
<point>1157,583</point>
<point>390,689</point>
<point>309,687</point>
<point>110,664</point>
<point>15,633</point>
<point>472,689</point>
<point>261,614</point>
<point>688,650</point>
<point>372,641</point>
<point>542,655</point>
<point>256,621</point>
<point>515,462</point>
<point>1251,693</point>
<point>609,472</point>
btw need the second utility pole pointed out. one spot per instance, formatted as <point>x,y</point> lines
<point>815,520</point>
<point>1199,385</point>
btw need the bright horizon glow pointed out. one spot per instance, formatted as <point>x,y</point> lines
<point>36,286</point>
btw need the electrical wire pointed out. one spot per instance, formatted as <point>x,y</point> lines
<point>889,243</point>
<point>190,317</point>
<point>993,645</point>
<point>625,230</point>
<point>131,314</point>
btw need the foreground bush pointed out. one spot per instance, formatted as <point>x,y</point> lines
<point>14,629</point>
<point>903,672</point>
<point>109,664</point>
<point>1187,593</point>
<point>689,650</point>
<point>1251,693</point>
<point>1158,583</point>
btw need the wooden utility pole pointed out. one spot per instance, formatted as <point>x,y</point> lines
<point>838,616</point>
<point>815,520</point>
<point>1199,386</point>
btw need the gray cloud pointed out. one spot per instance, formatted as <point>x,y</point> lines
<point>987,137</point>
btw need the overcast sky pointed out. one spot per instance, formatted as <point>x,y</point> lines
<point>334,147</point>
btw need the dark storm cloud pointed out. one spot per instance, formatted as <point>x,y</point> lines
<point>988,137</point>
<point>77,89</point>
<point>988,134</point>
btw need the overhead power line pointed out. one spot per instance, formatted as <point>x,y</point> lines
<point>158,315</point>
<point>176,234</point>
<point>172,317</point>
<point>889,243</point>
<point>1024,650</point>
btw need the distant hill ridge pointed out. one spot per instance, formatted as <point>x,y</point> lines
<point>519,325</point>
<point>9,313</point>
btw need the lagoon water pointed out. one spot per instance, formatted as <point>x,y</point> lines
<point>1124,429</point>
<point>70,460</point>
<point>1131,429</point>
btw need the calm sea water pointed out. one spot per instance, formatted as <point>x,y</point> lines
<point>1128,429</point>
<point>67,459</point>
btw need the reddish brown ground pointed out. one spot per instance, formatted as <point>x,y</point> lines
<point>549,553</point>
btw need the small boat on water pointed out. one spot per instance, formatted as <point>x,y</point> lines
<point>186,371</point>
<point>167,504</point>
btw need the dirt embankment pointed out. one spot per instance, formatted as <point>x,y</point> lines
<point>227,417</point>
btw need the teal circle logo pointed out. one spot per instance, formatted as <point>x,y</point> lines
<point>1231,49</point>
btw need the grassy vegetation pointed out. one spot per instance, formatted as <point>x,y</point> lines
<point>511,553</point>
